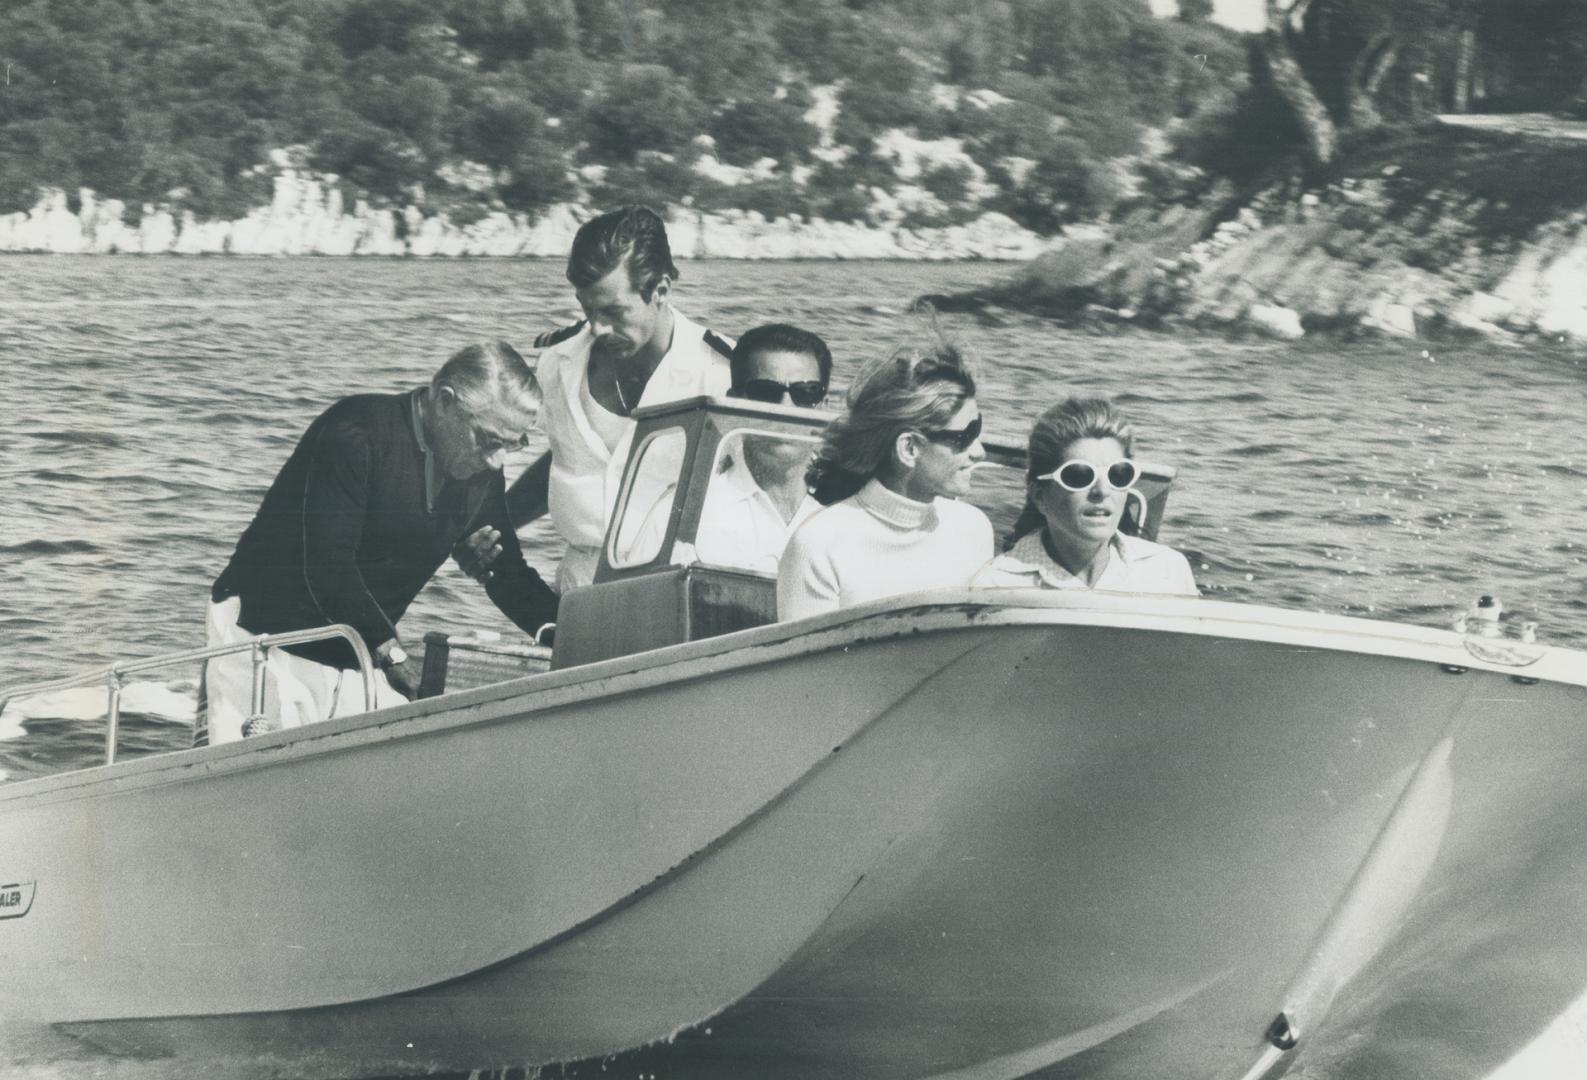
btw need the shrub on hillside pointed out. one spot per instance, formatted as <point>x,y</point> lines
<point>417,107</point>
<point>748,130</point>
<point>894,93</point>
<point>537,177</point>
<point>833,194</point>
<point>1009,129</point>
<point>189,179</point>
<point>34,155</point>
<point>1065,185</point>
<point>950,183</point>
<point>644,107</point>
<point>561,81</point>
<point>652,180</point>
<point>772,197</point>
<point>369,157</point>
<point>393,25</point>
<point>501,31</point>
<point>1106,131</point>
<point>496,125</point>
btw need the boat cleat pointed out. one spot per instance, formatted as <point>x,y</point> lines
<point>1485,639</point>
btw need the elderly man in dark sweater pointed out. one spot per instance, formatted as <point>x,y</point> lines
<point>375,497</point>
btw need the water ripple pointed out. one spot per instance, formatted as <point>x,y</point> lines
<point>79,437</point>
<point>49,547</point>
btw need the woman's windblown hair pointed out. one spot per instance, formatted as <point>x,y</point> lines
<point>1055,431</point>
<point>911,390</point>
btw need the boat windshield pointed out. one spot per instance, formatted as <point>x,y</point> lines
<point>642,523</point>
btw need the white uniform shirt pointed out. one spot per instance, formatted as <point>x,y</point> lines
<point>585,472</point>
<point>1134,565</point>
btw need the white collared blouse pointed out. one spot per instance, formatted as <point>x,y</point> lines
<point>1134,565</point>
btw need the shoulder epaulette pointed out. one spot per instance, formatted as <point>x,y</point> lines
<point>718,344</point>
<point>556,337</point>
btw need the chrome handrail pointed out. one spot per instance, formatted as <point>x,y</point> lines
<point>260,645</point>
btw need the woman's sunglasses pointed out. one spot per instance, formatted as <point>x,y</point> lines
<point>770,391</point>
<point>1081,475</point>
<point>961,439</point>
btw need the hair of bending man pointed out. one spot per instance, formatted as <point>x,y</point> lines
<point>632,236</point>
<point>1055,431</point>
<point>778,337</point>
<point>911,390</point>
<point>487,373</point>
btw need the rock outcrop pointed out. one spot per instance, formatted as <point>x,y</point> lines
<point>1349,259</point>
<point>1421,234</point>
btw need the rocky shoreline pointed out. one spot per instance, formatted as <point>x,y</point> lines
<point>1334,260</point>
<point>308,215</point>
<point>1427,234</point>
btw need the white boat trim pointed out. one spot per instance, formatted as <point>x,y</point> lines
<point>936,610</point>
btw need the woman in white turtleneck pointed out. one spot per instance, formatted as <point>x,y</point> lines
<point>889,474</point>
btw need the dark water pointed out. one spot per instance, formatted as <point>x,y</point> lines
<point>148,403</point>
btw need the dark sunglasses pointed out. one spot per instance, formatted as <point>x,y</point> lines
<point>1081,475</point>
<point>961,439</point>
<point>770,391</point>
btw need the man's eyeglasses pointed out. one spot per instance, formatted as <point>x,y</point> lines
<point>1081,475</point>
<point>770,391</point>
<point>488,443</point>
<point>961,440</point>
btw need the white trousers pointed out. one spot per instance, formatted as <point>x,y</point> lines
<point>296,691</point>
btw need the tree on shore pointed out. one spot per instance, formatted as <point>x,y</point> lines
<point>1342,66</point>
<point>1331,59</point>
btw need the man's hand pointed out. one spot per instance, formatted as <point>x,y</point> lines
<point>477,551</point>
<point>405,677</point>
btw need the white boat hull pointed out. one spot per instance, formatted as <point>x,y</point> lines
<point>1101,835</point>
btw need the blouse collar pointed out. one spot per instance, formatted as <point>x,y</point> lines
<point>1029,555</point>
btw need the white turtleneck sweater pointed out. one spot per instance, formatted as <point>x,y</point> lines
<point>877,543</point>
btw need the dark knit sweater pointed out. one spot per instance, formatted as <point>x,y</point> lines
<point>344,534</point>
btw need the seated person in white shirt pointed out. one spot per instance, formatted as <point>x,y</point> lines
<point>890,474</point>
<point>1077,485</point>
<point>757,496</point>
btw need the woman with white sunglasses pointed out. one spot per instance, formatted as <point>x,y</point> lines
<point>1077,485</point>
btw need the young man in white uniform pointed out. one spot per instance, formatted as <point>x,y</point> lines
<point>631,349</point>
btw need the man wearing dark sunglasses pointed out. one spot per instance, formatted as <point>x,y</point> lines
<point>757,495</point>
<point>781,365</point>
<point>370,504</point>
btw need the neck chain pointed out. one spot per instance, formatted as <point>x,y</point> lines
<point>617,384</point>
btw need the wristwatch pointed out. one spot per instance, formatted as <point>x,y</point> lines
<point>390,654</point>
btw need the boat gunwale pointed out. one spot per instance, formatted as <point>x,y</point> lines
<point>934,611</point>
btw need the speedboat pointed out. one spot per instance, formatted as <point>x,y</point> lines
<point>962,833</point>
